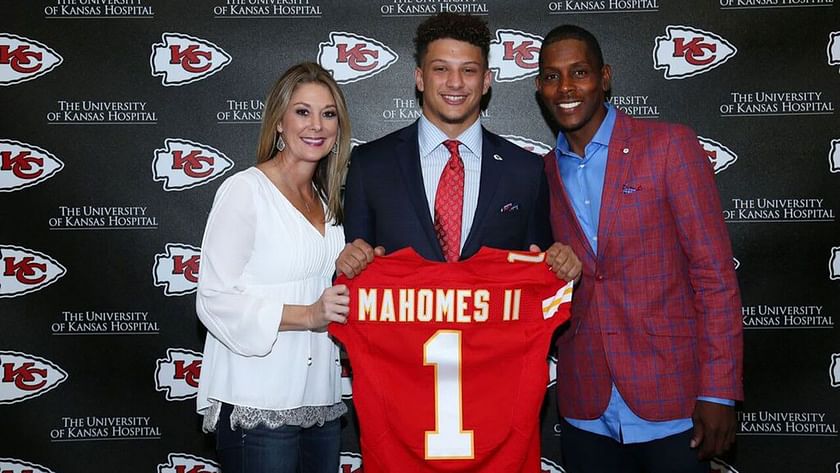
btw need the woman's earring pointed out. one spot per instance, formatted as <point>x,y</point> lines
<point>279,143</point>
<point>335,148</point>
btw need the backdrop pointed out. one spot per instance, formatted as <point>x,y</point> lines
<point>120,118</point>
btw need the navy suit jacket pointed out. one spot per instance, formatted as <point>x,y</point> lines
<point>385,202</point>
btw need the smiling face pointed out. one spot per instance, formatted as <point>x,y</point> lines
<point>452,78</point>
<point>310,124</point>
<point>573,87</point>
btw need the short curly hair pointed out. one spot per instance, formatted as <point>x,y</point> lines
<point>466,28</point>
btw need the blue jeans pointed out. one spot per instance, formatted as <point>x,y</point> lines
<point>289,449</point>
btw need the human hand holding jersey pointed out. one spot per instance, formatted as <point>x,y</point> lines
<point>355,256</point>
<point>331,306</point>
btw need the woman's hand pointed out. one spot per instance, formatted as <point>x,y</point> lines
<point>332,306</point>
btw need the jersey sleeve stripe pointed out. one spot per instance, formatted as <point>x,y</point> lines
<point>551,304</point>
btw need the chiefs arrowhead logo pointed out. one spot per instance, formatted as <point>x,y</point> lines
<point>177,375</point>
<point>833,48</point>
<point>720,156</point>
<point>23,271</point>
<point>23,165</point>
<point>350,462</point>
<point>23,59</point>
<point>834,370</point>
<point>514,55</point>
<point>177,269</point>
<point>834,156</point>
<point>721,466</point>
<point>351,57</point>
<point>685,51</point>
<point>834,264</point>
<point>182,59</point>
<point>186,463</point>
<point>11,465</point>
<point>184,164</point>
<point>548,466</point>
<point>23,376</point>
<point>529,144</point>
<point>346,379</point>
<point>552,371</point>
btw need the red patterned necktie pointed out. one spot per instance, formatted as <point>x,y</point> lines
<point>449,203</point>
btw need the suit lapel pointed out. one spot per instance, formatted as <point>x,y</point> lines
<point>618,167</point>
<point>491,171</point>
<point>408,156</point>
<point>553,176</point>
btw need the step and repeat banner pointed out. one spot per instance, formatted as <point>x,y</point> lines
<point>120,118</point>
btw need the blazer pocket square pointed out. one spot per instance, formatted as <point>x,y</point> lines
<point>509,207</point>
<point>630,189</point>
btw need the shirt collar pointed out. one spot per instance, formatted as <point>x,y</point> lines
<point>430,137</point>
<point>602,136</point>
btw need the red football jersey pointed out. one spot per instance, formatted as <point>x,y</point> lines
<point>449,360</point>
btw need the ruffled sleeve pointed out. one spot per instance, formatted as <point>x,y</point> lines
<point>246,321</point>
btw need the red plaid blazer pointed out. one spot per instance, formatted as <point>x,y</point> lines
<point>658,309</point>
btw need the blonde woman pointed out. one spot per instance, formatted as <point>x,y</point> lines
<point>270,379</point>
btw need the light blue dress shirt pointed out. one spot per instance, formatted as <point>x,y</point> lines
<point>583,178</point>
<point>433,157</point>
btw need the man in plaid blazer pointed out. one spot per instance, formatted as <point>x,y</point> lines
<point>650,367</point>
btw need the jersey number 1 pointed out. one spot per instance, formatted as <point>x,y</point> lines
<point>449,440</point>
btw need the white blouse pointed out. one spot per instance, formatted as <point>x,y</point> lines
<point>259,253</point>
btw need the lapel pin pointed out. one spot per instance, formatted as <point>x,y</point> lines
<point>497,157</point>
<point>625,150</point>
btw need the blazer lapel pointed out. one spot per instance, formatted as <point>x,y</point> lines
<point>492,169</point>
<point>553,176</point>
<point>408,156</point>
<point>618,167</point>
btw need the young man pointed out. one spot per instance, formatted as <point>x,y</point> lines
<point>651,364</point>
<point>397,193</point>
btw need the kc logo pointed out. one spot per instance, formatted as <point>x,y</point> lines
<point>177,375</point>
<point>184,164</point>
<point>529,144</point>
<point>23,165</point>
<point>23,376</point>
<point>834,156</point>
<point>350,463</point>
<point>834,264</point>
<point>351,57</point>
<point>177,269</point>
<point>834,371</point>
<point>23,59</point>
<point>23,271</point>
<point>11,465</point>
<point>346,380</point>
<point>548,466</point>
<point>552,371</point>
<point>514,55</point>
<point>719,466</point>
<point>833,48</point>
<point>182,59</point>
<point>186,463</point>
<point>720,156</point>
<point>685,51</point>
